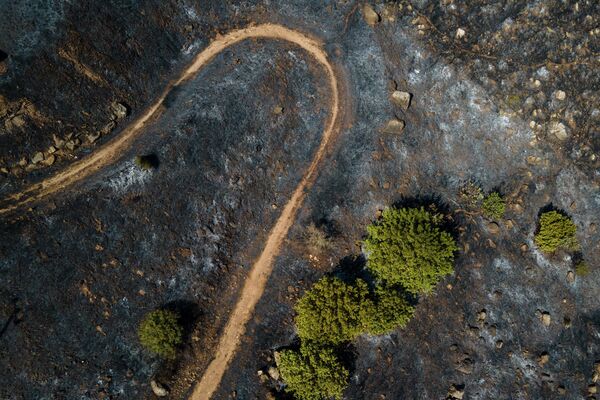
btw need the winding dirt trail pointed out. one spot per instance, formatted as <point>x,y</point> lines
<point>254,285</point>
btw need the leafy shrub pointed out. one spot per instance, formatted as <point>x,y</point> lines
<point>581,268</point>
<point>493,206</point>
<point>333,311</point>
<point>316,239</point>
<point>313,373</point>
<point>408,247</point>
<point>556,231</point>
<point>161,333</point>
<point>391,310</point>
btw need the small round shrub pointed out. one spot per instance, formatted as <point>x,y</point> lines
<point>556,231</point>
<point>493,206</point>
<point>390,311</point>
<point>333,311</point>
<point>408,247</point>
<point>316,239</point>
<point>313,373</point>
<point>161,333</point>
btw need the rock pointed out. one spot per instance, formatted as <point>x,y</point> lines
<point>22,162</point>
<point>158,389</point>
<point>570,277</point>
<point>559,130</point>
<point>273,373</point>
<point>560,95</point>
<point>106,129</point>
<point>481,315</point>
<point>371,17</point>
<point>499,344</point>
<point>276,357</point>
<point>51,150</point>
<point>3,106</point>
<point>37,157</point>
<point>401,99</point>
<point>18,121</point>
<point>49,160</point>
<point>394,126</point>
<point>546,319</point>
<point>592,389</point>
<point>58,142</point>
<point>278,110</point>
<point>533,160</point>
<point>92,137</point>
<point>119,110</point>
<point>460,33</point>
<point>493,228</point>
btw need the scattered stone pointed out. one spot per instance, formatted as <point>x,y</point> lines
<point>371,17</point>
<point>401,99</point>
<point>119,110</point>
<point>596,376</point>
<point>72,144</point>
<point>51,150</point>
<point>546,319</point>
<point>524,247</point>
<point>58,142</point>
<point>262,377</point>
<point>460,33</point>
<point>92,137</point>
<point>559,130</point>
<point>499,344</point>
<point>493,228</point>
<point>18,121</point>
<point>22,162</point>
<point>562,390</point>
<point>592,389</point>
<point>560,95</point>
<point>567,322</point>
<point>570,277</point>
<point>37,157</point>
<point>394,126</point>
<point>49,160</point>
<point>273,373</point>
<point>106,129</point>
<point>158,389</point>
<point>533,160</point>
<point>278,110</point>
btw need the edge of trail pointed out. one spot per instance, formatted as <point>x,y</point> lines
<point>254,285</point>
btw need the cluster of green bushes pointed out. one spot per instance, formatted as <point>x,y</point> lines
<point>491,206</point>
<point>408,251</point>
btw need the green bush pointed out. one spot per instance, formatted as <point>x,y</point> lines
<point>391,310</point>
<point>313,373</point>
<point>556,231</point>
<point>407,246</point>
<point>316,239</point>
<point>471,194</point>
<point>161,333</point>
<point>333,311</point>
<point>493,206</point>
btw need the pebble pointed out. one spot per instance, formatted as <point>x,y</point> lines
<point>546,319</point>
<point>570,277</point>
<point>119,110</point>
<point>37,157</point>
<point>49,160</point>
<point>460,33</point>
<point>273,373</point>
<point>493,228</point>
<point>560,95</point>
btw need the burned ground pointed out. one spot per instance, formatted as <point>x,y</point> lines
<point>79,271</point>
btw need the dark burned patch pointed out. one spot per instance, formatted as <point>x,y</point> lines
<point>3,56</point>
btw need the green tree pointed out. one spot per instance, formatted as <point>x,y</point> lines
<point>313,373</point>
<point>333,311</point>
<point>493,206</point>
<point>391,310</point>
<point>161,333</point>
<point>407,246</point>
<point>557,231</point>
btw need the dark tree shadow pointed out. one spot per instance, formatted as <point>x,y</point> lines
<point>3,56</point>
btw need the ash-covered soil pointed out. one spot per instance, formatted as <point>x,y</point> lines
<point>505,94</point>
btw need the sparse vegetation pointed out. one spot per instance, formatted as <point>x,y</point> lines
<point>471,194</point>
<point>582,268</point>
<point>313,373</point>
<point>161,333</point>
<point>316,239</point>
<point>390,311</point>
<point>408,246</point>
<point>493,206</point>
<point>556,231</point>
<point>333,311</point>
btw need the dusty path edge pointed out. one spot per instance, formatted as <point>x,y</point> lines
<point>261,269</point>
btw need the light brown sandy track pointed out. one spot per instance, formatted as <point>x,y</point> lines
<point>261,269</point>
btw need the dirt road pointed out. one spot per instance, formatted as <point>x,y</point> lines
<point>261,270</point>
